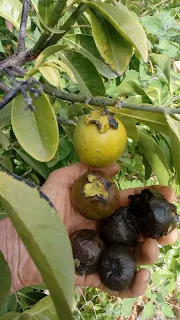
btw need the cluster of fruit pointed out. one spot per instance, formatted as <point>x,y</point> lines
<point>108,250</point>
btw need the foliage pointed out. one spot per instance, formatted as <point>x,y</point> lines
<point>80,51</point>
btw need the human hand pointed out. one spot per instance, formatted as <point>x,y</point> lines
<point>58,187</point>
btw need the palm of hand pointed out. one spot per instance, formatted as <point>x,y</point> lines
<point>58,189</point>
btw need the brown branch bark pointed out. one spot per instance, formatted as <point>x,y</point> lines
<point>23,25</point>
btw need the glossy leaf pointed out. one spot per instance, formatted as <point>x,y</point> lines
<point>148,169</point>
<point>88,79</point>
<point>6,162</point>
<point>170,259</point>
<point>163,61</point>
<point>131,128</point>
<point>38,166</point>
<point>125,24</point>
<point>45,237</point>
<point>5,280</point>
<point>155,156</point>
<point>45,8</point>
<point>11,316</point>
<point>37,132</point>
<point>40,10</point>
<point>115,50</point>
<point>131,87</point>
<point>48,52</point>
<point>43,310</point>
<point>51,75</point>
<point>174,133</point>
<point>4,141</point>
<point>85,44</point>
<point>154,120</point>
<point>11,10</point>
<point>5,115</point>
<point>149,311</point>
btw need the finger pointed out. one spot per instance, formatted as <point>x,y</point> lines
<point>146,252</point>
<point>138,287</point>
<point>168,193</point>
<point>169,239</point>
<point>110,170</point>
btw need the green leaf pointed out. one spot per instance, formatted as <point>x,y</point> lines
<point>163,61</point>
<point>85,45</point>
<point>170,260</point>
<point>4,141</point>
<point>36,131</point>
<point>148,169</point>
<point>43,310</point>
<point>38,166</point>
<point>174,133</point>
<point>115,50</point>
<point>11,10</point>
<point>48,52</point>
<point>45,237</point>
<point>155,156</point>
<point>130,87</point>
<point>167,311</point>
<point>5,115</point>
<point>149,311</point>
<point>126,309</point>
<point>51,75</point>
<point>88,79</point>
<point>10,316</point>
<point>6,162</point>
<point>45,9</point>
<point>154,120</point>
<point>125,24</point>
<point>5,280</point>
<point>131,128</point>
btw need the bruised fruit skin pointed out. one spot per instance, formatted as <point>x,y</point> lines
<point>120,227</point>
<point>117,268</point>
<point>156,217</point>
<point>99,139</point>
<point>87,249</point>
<point>95,195</point>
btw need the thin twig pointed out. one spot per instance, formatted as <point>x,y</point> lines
<point>12,93</point>
<point>3,87</point>
<point>66,121</point>
<point>23,25</point>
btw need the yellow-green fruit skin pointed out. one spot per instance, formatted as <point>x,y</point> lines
<point>99,149</point>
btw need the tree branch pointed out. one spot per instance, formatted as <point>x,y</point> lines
<point>3,87</point>
<point>23,25</point>
<point>67,25</point>
<point>32,86</point>
<point>106,102</point>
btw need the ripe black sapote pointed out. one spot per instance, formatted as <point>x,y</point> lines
<point>95,195</point>
<point>120,227</point>
<point>87,249</point>
<point>155,216</point>
<point>117,267</point>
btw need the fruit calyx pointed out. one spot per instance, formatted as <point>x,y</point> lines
<point>97,186</point>
<point>102,119</point>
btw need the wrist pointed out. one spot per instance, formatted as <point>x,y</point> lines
<point>23,270</point>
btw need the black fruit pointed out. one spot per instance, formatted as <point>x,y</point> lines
<point>120,227</point>
<point>156,217</point>
<point>117,267</point>
<point>87,249</point>
<point>95,196</point>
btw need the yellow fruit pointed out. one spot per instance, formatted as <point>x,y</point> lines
<point>97,142</point>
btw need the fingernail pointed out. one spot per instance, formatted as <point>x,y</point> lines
<point>148,277</point>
